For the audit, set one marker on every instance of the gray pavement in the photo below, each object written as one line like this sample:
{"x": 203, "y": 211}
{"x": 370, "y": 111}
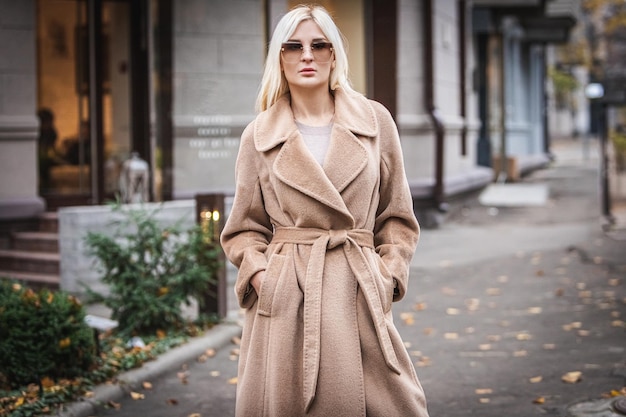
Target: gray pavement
{"x": 504, "y": 302}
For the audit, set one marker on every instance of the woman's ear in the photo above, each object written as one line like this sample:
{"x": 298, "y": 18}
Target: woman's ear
{"x": 332, "y": 66}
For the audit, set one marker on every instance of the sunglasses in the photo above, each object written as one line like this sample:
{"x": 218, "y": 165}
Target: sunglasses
{"x": 292, "y": 51}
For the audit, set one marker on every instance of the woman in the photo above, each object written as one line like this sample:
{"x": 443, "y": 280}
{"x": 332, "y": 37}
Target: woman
{"x": 322, "y": 231}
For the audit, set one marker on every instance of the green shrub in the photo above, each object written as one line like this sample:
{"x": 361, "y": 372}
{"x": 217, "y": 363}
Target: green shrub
{"x": 151, "y": 270}
{"x": 42, "y": 335}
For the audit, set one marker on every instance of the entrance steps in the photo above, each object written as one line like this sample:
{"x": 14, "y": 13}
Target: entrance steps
{"x": 33, "y": 256}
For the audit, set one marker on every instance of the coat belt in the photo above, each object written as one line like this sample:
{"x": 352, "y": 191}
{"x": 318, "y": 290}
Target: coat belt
{"x": 352, "y": 241}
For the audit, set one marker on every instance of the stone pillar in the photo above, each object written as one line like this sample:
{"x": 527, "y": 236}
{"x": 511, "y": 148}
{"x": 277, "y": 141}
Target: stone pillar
{"x": 18, "y": 106}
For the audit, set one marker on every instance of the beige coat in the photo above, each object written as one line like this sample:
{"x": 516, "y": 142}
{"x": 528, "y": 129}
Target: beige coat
{"x": 319, "y": 340}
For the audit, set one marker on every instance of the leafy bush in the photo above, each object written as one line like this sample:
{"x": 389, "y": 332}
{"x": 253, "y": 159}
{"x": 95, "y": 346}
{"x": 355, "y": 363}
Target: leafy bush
{"x": 42, "y": 335}
{"x": 151, "y": 270}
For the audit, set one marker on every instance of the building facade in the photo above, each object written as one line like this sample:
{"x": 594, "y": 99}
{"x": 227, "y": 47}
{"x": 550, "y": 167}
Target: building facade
{"x": 85, "y": 83}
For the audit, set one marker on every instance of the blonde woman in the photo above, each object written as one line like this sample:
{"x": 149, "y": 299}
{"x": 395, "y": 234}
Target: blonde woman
{"x": 322, "y": 232}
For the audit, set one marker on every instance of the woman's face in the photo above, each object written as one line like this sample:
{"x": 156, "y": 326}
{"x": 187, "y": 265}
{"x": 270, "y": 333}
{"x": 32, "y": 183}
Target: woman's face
{"x": 310, "y": 66}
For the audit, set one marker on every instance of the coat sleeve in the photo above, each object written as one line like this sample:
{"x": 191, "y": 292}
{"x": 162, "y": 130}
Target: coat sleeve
{"x": 248, "y": 228}
{"x": 396, "y": 230}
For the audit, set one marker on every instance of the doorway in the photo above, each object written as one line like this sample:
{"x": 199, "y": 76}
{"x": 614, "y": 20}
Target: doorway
{"x": 89, "y": 56}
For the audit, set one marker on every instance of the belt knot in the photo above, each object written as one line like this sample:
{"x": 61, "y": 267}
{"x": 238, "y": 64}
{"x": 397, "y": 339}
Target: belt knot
{"x": 337, "y": 238}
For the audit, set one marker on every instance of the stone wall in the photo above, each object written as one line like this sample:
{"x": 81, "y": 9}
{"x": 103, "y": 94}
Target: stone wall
{"x": 77, "y": 268}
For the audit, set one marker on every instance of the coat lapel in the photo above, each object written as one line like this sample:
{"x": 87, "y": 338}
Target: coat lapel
{"x": 346, "y": 158}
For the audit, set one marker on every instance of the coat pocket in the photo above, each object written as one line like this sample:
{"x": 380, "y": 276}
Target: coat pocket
{"x": 273, "y": 274}
{"x": 384, "y": 282}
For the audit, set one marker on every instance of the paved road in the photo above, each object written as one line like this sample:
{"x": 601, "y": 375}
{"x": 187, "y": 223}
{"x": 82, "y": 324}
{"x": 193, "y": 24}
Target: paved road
{"x": 503, "y": 303}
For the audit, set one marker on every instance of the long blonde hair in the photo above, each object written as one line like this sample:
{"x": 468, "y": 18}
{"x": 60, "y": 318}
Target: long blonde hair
{"x": 274, "y": 84}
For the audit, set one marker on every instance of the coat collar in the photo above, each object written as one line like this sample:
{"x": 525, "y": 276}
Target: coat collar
{"x": 355, "y": 118}
{"x": 353, "y": 112}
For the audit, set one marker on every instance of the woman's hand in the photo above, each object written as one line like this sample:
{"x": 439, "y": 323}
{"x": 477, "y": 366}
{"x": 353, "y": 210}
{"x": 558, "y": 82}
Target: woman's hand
{"x": 257, "y": 280}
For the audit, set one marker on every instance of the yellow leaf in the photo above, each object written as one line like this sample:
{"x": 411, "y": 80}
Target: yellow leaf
{"x": 483, "y": 391}
{"x": 453, "y": 311}
{"x": 19, "y": 401}
{"x": 46, "y": 382}
{"x": 147, "y": 385}
{"x": 523, "y": 336}
{"x": 539, "y": 400}
{"x": 534, "y": 310}
{"x": 210, "y": 352}
{"x": 236, "y": 340}
{"x": 63, "y": 343}
{"x": 420, "y": 306}
{"x": 572, "y": 377}
{"x": 214, "y": 373}
{"x": 136, "y": 395}
{"x": 161, "y": 334}
{"x": 451, "y": 336}
{"x": 233, "y": 381}
{"x": 484, "y": 400}
{"x": 536, "y": 379}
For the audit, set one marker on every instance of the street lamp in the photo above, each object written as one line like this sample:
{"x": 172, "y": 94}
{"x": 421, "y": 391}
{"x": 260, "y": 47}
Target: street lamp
{"x": 595, "y": 91}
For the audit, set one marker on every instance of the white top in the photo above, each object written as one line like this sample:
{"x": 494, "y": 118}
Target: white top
{"x": 317, "y": 139}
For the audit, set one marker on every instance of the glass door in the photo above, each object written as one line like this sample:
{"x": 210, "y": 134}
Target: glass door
{"x": 84, "y": 98}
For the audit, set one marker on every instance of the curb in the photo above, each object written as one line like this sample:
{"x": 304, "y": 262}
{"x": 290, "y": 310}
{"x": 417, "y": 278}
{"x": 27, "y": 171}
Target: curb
{"x": 215, "y": 338}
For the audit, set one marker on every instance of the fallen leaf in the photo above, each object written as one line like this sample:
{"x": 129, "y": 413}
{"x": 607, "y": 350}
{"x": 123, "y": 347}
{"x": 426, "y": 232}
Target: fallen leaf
{"x": 236, "y": 340}
{"x": 584, "y": 333}
{"x": 535, "y": 379}
{"x": 493, "y": 291}
{"x": 89, "y": 394}
{"x": 172, "y": 401}
{"x": 581, "y": 286}
{"x": 484, "y": 346}
{"x": 448, "y": 291}
{"x": 549, "y": 346}
{"x": 183, "y": 376}
{"x": 453, "y": 311}
{"x": 523, "y": 336}
{"x": 618, "y": 323}
{"x": 451, "y": 336}
{"x": 428, "y": 331}
{"x": 494, "y": 337}
{"x": 484, "y": 400}
{"x": 470, "y": 330}
{"x": 483, "y": 391}
{"x": 572, "y": 377}
{"x": 424, "y": 361}
{"x": 503, "y": 278}
{"x": 407, "y": 318}
{"x": 147, "y": 385}
{"x": 137, "y": 395}
{"x": 472, "y": 304}
{"x": 520, "y": 353}
{"x": 214, "y": 373}
{"x": 534, "y": 310}
{"x": 113, "y": 404}
{"x": 614, "y": 282}
{"x": 233, "y": 381}
{"x": 420, "y": 306}
{"x": 407, "y": 344}
{"x": 540, "y": 273}
{"x": 194, "y": 415}
{"x": 584, "y": 294}
{"x": 210, "y": 352}
{"x": 559, "y": 293}
{"x": 539, "y": 400}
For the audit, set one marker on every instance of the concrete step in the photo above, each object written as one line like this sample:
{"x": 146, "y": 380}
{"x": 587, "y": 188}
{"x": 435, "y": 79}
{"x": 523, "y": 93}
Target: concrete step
{"x": 26, "y": 261}
{"x": 49, "y": 222}
{"x": 32, "y": 279}
{"x": 36, "y": 241}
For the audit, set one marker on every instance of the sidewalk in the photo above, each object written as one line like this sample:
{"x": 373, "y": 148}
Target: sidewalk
{"x": 503, "y": 302}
